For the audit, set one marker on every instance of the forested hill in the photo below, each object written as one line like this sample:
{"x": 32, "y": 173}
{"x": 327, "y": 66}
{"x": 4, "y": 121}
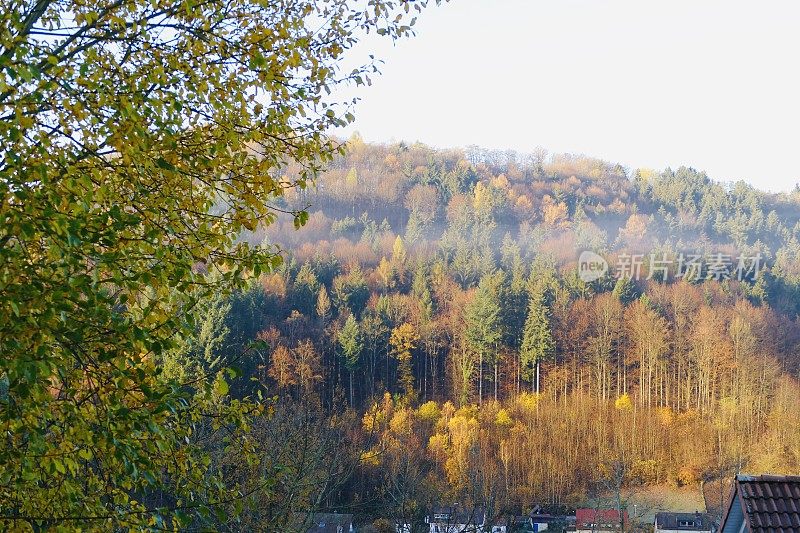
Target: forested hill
{"x": 451, "y": 204}
{"x": 436, "y": 293}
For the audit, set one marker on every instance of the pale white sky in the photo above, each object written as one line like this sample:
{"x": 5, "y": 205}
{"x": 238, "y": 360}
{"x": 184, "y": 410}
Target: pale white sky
{"x": 709, "y": 84}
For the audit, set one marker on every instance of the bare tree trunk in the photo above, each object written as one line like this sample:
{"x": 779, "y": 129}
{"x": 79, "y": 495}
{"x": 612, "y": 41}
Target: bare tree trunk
{"x": 495, "y": 380}
{"x": 480, "y": 379}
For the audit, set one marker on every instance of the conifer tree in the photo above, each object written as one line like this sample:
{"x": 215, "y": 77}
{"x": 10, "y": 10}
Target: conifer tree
{"x": 305, "y": 288}
{"x": 484, "y": 327}
{"x": 537, "y": 339}
{"x": 352, "y": 345}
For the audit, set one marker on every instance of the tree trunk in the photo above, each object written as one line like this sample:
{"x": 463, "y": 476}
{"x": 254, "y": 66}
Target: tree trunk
{"x": 495, "y": 380}
{"x": 480, "y": 379}
{"x": 425, "y": 376}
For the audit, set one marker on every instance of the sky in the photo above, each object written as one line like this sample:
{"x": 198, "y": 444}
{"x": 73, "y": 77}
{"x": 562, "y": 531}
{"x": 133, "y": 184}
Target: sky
{"x": 710, "y": 84}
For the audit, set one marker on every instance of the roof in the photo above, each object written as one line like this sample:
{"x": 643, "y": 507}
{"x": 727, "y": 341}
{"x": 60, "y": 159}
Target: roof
{"x": 458, "y": 514}
{"x": 330, "y": 523}
{"x": 700, "y": 521}
{"x": 541, "y": 518}
{"x": 598, "y": 516}
{"x": 771, "y": 504}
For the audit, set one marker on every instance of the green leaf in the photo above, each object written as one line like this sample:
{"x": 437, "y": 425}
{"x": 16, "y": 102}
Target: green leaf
{"x": 300, "y": 219}
{"x": 164, "y": 164}
{"x": 220, "y": 386}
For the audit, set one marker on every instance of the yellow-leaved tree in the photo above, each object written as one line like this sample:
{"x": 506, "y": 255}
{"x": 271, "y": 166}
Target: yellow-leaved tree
{"x": 403, "y": 340}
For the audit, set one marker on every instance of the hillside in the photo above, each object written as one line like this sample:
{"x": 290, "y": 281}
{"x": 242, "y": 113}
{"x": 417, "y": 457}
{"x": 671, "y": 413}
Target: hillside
{"x": 435, "y": 296}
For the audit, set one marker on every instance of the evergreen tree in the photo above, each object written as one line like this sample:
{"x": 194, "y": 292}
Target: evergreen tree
{"x": 374, "y": 332}
{"x": 537, "y": 339}
{"x": 421, "y": 291}
{"x": 625, "y": 290}
{"x": 200, "y": 352}
{"x": 484, "y": 327}
{"x": 350, "y": 291}
{"x": 305, "y": 289}
{"x": 352, "y": 345}
{"x": 464, "y": 264}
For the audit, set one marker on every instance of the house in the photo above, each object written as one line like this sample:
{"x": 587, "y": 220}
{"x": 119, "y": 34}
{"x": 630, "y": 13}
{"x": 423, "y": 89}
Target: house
{"x": 459, "y": 519}
{"x": 533, "y": 523}
{"x": 330, "y": 523}
{"x": 677, "y": 522}
{"x": 599, "y": 520}
{"x": 763, "y": 504}
{"x": 495, "y": 527}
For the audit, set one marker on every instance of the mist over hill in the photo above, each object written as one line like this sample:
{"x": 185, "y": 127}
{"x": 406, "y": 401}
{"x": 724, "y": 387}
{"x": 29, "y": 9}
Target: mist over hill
{"x": 453, "y": 204}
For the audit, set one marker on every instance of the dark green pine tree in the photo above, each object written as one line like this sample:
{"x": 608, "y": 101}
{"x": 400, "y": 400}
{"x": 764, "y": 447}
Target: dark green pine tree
{"x": 537, "y": 339}
{"x": 626, "y": 290}
{"x": 484, "y": 323}
{"x": 305, "y": 290}
{"x": 351, "y": 344}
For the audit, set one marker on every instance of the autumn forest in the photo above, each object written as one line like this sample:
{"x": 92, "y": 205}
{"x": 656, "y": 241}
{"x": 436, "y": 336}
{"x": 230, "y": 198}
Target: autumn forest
{"x": 430, "y": 314}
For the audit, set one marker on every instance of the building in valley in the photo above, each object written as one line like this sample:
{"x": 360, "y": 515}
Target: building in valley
{"x": 600, "y": 521}
{"x": 683, "y": 522}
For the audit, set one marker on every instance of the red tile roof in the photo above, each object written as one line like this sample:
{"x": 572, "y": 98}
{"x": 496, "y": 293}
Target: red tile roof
{"x": 585, "y": 517}
{"x": 771, "y": 504}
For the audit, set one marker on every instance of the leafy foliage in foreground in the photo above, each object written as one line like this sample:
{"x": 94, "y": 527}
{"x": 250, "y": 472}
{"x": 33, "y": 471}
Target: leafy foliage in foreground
{"x": 139, "y": 138}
